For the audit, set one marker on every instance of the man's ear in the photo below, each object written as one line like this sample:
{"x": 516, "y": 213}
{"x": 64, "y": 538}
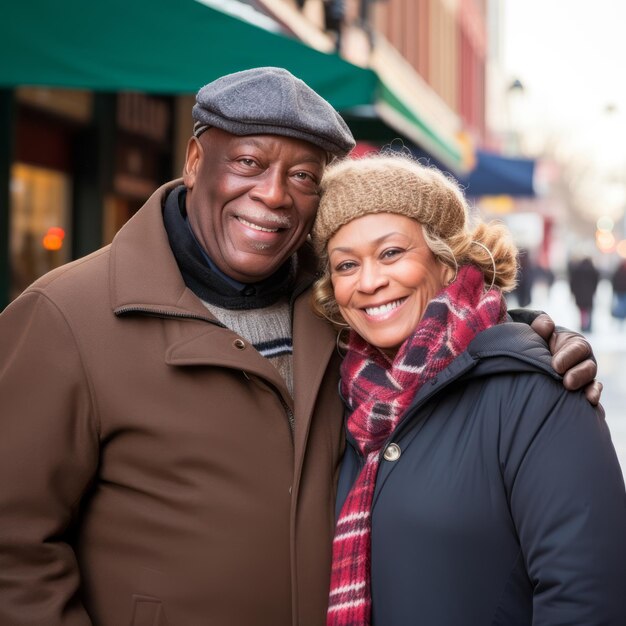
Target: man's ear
{"x": 192, "y": 161}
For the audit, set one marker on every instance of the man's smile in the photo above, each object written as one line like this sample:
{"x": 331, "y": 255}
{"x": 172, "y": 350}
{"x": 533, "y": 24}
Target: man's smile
{"x": 256, "y": 226}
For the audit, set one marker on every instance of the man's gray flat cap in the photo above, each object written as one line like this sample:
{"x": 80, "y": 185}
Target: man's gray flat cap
{"x": 271, "y": 101}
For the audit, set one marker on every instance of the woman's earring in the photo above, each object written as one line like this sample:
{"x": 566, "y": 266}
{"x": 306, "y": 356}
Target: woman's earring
{"x": 493, "y": 262}
{"x": 340, "y": 343}
{"x": 456, "y": 271}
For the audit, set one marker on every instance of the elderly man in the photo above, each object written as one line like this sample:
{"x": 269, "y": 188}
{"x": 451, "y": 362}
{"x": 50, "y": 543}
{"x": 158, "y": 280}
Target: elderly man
{"x": 166, "y": 457}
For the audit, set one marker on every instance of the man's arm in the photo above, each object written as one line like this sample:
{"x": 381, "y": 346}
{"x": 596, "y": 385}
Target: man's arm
{"x": 572, "y": 355}
{"x": 48, "y": 456}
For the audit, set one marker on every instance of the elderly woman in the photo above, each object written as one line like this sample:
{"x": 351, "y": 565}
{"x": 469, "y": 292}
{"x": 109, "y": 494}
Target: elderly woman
{"x": 474, "y": 489}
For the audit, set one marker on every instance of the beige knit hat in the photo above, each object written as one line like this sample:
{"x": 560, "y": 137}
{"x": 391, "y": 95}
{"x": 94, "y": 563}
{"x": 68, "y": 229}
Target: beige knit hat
{"x": 389, "y": 183}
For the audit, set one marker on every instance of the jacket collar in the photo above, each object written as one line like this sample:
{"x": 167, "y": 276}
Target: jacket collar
{"x": 507, "y": 348}
{"x": 144, "y": 274}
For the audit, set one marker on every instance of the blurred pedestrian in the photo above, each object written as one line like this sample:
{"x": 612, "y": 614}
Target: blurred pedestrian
{"x": 618, "y": 282}
{"x": 525, "y": 278}
{"x": 583, "y": 281}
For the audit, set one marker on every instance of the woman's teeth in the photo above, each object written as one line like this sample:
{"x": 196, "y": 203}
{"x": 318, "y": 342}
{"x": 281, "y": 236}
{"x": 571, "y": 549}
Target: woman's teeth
{"x": 383, "y": 308}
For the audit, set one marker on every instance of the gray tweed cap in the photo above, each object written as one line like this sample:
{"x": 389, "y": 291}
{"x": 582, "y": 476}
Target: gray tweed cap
{"x": 271, "y": 101}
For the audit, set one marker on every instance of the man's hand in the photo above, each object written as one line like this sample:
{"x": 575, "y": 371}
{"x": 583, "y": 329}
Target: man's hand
{"x": 572, "y": 357}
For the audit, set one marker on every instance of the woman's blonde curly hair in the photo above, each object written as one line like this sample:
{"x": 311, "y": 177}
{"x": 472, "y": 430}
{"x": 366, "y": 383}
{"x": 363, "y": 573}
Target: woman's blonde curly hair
{"x": 397, "y": 183}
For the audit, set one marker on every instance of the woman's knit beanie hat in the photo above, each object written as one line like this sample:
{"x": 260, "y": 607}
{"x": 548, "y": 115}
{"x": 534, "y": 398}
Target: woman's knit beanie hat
{"x": 390, "y": 183}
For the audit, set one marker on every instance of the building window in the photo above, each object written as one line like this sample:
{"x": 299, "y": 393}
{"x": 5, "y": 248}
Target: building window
{"x": 40, "y": 223}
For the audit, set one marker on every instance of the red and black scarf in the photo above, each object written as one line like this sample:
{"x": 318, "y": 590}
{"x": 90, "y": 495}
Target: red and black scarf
{"x": 379, "y": 391}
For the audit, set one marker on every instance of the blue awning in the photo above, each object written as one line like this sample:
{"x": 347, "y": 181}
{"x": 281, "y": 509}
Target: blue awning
{"x": 495, "y": 175}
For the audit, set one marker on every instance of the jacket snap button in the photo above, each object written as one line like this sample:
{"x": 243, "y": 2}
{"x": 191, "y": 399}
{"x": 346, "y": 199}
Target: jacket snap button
{"x": 240, "y": 344}
{"x": 392, "y": 452}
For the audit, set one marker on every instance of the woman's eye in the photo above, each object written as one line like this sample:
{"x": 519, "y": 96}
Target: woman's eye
{"x": 391, "y": 253}
{"x": 345, "y": 266}
{"x": 248, "y": 162}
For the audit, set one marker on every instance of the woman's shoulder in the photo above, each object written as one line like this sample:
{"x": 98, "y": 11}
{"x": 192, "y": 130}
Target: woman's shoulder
{"x": 510, "y": 348}
{"x": 526, "y": 396}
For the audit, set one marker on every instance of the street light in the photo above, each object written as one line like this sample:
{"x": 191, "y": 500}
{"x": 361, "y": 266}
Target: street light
{"x": 515, "y": 96}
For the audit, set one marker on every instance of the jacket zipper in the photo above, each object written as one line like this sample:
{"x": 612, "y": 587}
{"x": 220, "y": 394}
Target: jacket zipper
{"x": 290, "y": 416}
{"x": 164, "y": 314}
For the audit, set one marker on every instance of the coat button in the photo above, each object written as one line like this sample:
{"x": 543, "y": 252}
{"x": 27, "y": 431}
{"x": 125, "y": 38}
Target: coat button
{"x": 392, "y": 452}
{"x": 240, "y": 344}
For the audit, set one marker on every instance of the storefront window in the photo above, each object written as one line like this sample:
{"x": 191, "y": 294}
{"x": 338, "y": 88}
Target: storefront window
{"x": 40, "y": 223}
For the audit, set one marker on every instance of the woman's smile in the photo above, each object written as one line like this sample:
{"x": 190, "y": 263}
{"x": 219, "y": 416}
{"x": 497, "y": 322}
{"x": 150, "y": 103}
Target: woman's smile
{"x": 384, "y": 311}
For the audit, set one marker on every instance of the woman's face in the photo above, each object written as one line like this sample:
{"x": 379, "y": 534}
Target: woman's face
{"x": 383, "y": 275}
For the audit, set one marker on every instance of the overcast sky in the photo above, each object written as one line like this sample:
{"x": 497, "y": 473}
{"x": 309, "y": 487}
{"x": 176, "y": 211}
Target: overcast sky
{"x": 571, "y": 57}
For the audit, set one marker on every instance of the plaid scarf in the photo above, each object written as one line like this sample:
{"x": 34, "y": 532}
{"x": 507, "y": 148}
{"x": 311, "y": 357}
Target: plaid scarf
{"x": 379, "y": 391}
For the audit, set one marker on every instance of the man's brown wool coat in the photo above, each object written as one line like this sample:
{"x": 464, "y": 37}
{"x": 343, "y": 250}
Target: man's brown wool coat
{"x": 148, "y": 472}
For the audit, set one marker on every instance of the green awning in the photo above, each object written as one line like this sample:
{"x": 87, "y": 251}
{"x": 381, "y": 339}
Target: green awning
{"x": 158, "y": 46}
{"x": 176, "y": 46}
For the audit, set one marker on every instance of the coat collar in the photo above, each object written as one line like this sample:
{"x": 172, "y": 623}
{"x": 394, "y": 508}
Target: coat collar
{"x": 144, "y": 273}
